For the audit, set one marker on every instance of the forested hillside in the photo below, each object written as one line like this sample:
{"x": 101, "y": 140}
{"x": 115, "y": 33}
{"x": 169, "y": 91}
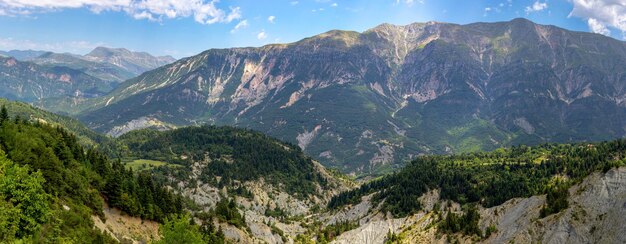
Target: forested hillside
{"x": 491, "y": 178}
{"x": 229, "y": 153}
{"x": 51, "y": 186}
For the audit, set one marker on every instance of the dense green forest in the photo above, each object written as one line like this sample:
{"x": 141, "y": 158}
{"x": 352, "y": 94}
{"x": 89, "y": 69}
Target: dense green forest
{"x": 256, "y": 156}
{"x": 51, "y": 185}
{"x": 491, "y": 178}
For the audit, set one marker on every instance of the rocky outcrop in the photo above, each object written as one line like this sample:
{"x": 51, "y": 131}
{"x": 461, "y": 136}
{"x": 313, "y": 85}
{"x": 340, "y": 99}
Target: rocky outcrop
{"x": 373, "y": 230}
{"x": 261, "y": 228}
{"x": 137, "y": 124}
{"x": 596, "y": 211}
{"x": 595, "y": 214}
{"x": 124, "y": 228}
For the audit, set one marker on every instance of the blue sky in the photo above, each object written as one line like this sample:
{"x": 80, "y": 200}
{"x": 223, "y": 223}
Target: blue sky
{"x": 186, "y": 27}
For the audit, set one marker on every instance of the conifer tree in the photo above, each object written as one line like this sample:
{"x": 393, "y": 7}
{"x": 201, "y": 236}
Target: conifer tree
{"x": 4, "y": 114}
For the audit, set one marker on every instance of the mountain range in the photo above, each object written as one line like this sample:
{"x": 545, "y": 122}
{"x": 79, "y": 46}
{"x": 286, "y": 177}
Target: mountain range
{"x": 22, "y": 55}
{"x": 366, "y": 102}
{"x": 37, "y": 75}
{"x": 29, "y": 82}
{"x": 110, "y": 64}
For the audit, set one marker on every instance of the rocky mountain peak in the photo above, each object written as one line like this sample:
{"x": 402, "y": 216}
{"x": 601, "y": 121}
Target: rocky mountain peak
{"x": 521, "y": 21}
{"x": 331, "y": 39}
{"x": 394, "y": 42}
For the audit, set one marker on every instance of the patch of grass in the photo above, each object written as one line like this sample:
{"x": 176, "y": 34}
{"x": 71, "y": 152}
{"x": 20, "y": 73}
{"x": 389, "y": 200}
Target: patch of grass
{"x": 371, "y": 107}
{"x": 540, "y": 159}
{"x": 144, "y": 164}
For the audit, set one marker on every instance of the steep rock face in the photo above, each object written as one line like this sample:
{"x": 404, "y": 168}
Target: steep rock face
{"x": 384, "y": 95}
{"x": 596, "y": 215}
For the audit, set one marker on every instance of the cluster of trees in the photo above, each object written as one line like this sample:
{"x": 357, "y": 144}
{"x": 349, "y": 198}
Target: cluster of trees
{"x": 24, "y": 205}
{"x": 182, "y": 229}
{"x": 234, "y": 154}
{"x": 317, "y": 232}
{"x": 392, "y": 238}
{"x": 330, "y": 232}
{"x": 467, "y": 223}
{"x": 137, "y": 194}
{"x": 491, "y": 178}
{"x": 277, "y": 212}
{"x": 45, "y": 171}
{"x": 556, "y": 199}
{"x": 226, "y": 211}
{"x": 241, "y": 191}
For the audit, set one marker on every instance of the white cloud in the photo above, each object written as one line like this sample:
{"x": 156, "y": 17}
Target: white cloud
{"x": 536, "y": 7}
{"x": 202, "y": 11}
{"x": 409, "y": 2}
{"x": 77, "y": 47}
{"x": 271, "y": 19}
{"x": 495, "y": 9}
{"x": 601, "y": 14}
{"x": 261, "y": 35}
{"x": 242, "y": 24}
{"x": 334, "y": 5}
{"x": 596, "y": 27}
{"x": 293, "y": 3}
{"x": 144, "y": 15}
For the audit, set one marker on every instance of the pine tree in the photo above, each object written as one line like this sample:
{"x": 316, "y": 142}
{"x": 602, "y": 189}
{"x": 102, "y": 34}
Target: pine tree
{"x": 4, "y": 114}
